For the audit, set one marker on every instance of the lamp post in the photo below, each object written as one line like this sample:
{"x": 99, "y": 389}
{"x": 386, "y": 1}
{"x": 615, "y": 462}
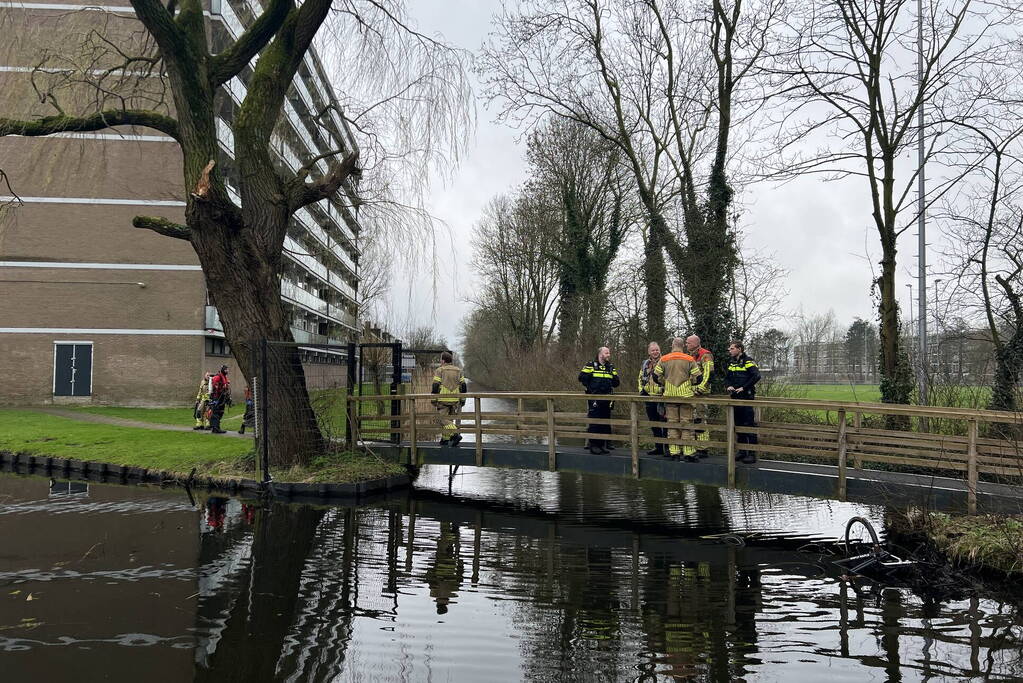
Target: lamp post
{"x": 921, "y": 224}
{"x": 937, "y": 329}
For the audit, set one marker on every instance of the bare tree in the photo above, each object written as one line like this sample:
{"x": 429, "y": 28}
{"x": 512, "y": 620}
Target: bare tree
{"x": 813, "y": 332}
{"x": 580, "y": 176}
{"x": 407, "y": 110}
{"x": 513, "y": 242}
{"x": 664, "y": 83}
{"x": 849, "y": 70}
{"x": 985, "y": 221}
{"x": 757, "y": 292}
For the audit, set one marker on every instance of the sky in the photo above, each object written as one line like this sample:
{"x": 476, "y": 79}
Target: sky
{"x": 820, "y": 231}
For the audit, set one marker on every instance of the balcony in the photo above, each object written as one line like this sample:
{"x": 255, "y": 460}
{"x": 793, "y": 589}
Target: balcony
{"x": 294, "y": 293}
{"x": 304, "y": 337}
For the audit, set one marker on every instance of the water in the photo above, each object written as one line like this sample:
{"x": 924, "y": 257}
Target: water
{"x": 485, "y": 576}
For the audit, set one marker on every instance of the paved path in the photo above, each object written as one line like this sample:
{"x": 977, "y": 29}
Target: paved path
{"x": 123, "y": 422}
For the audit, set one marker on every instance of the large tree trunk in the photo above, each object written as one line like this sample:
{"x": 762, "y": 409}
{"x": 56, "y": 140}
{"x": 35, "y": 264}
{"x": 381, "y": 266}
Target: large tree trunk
{"x": 245, "y": 285}
{"x": 655, "y": 280}
{"x": 896, "y": 379}
{"x": 1008, "y": 364}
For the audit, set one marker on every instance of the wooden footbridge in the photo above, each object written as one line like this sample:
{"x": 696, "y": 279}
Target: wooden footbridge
{"x": 946, "y": 458}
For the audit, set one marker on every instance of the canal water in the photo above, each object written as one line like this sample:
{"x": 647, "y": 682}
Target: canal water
{"x": 486, "y": 575}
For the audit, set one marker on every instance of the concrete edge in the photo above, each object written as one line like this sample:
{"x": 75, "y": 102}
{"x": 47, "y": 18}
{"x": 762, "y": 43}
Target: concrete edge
{"x": 69, "y": 468}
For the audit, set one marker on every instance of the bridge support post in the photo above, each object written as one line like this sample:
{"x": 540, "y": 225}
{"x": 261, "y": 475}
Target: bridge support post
{"x": 971, "y": 468}
{"x": 634, "y": 437}
{"x": 552, "y": 447}
{"x": 842, "y": 454}
{"x": 730, "y": 440}
{"x": 478, "y": 434}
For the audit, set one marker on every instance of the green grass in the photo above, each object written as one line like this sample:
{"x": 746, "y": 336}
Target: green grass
{"x": 40, "y": 434}
{"x": 181, "y": 416}
{"x": 25, "y": 431}
{"x": 983, "y": 541}
{"x": 862, "y": 393}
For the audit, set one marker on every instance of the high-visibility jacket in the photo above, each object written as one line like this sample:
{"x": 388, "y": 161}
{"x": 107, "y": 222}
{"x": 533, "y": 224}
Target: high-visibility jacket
{"x": 743, "y": 372}
{"x": 448, "y": 379}
{"x": 705, "y": 361}
{"x": 599, "y": 378}
{"x": 646, "y": 382}
{"x": 204, "y": 391}
{"x": 676, "y": 371}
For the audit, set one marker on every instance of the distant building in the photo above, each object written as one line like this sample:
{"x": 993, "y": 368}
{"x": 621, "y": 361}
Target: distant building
{"x": 95, "y": 311}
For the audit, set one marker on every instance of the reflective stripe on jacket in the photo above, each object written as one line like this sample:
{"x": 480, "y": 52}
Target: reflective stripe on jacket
{"x": 448, "y": 379}
{"x": 743, "y": 372}
{"x": 705, "y": 362}
{"x": 647, "y": 383}
{"x": 599, "y": 378}
{"x": 676, "y": 371}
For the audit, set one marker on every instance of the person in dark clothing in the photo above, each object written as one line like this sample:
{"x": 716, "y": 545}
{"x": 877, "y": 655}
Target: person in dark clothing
{"x": 600, "y": 378}
{"x": 220, "y": 398}
{"x": 741, "y": 379}
{"x": 249, "y": 418}
{"x": 648, "y": 386}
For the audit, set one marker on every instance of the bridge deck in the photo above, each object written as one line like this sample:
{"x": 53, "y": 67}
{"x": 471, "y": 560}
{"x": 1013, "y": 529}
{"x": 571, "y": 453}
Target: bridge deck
{"x": 772, "y": 476}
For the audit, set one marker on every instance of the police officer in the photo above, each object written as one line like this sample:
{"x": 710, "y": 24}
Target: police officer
{"x": 600, "y": 378}
{"x": 648, "y": 386}
{"x": 741, "y": 378}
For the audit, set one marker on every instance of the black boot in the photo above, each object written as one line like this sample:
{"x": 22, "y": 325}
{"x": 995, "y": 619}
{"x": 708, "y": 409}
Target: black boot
{"x": 443, "y": 442}
{"x": 658, "y": 450}
{"x": 242, "y": 429}
{"x": 702, "y": 453}
{"x": 455, "y": 439}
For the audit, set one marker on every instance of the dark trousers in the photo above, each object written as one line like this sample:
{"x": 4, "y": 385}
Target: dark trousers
{"x": 217, "y": 408}
{"x": 600, "y": 410}
{"x": 744, "y": 417}
{"x": 654, "y": 414}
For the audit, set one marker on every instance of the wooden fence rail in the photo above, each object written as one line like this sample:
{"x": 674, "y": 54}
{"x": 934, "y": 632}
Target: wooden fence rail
{"x": 837, "y": 436}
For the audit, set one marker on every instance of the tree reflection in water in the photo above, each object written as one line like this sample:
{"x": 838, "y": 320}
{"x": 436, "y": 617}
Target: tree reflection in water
{"x": 429, "y": 585}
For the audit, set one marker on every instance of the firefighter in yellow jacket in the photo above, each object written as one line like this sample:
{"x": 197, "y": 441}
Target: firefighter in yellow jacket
{"x": 676, "y": 372}
{"x": 448, "y": 379}
{"x": 701, "y": 387}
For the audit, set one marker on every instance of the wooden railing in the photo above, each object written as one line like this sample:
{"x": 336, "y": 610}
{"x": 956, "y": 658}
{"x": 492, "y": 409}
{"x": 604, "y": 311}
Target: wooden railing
{"x": 841, "y": 432}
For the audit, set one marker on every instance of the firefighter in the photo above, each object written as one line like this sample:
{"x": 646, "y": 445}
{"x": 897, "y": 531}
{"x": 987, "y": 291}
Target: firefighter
{"x": 220, "y": 398}
{"x": 649, "y": 387}
{"x": 202, "y": 403}
{"x": 676, "y": 372}
{"x": 705, "y": 361}
{"x": 448, "y": 379}
{"x": 600, "y": 378}
{"x": 742, "y": 378}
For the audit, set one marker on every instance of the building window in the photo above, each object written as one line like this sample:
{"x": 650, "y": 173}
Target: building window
{"x": 215, "y": 346}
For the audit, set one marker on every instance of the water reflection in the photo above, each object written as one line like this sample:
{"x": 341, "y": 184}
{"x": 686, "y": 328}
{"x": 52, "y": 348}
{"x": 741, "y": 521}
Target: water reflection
{"x": 520, "y": 575}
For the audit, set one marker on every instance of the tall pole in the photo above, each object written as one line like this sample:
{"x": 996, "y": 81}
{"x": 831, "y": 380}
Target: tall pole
{"x": 921, "y": 223}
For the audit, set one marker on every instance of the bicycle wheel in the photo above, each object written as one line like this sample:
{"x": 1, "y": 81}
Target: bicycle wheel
{"x": 860, "y": 538}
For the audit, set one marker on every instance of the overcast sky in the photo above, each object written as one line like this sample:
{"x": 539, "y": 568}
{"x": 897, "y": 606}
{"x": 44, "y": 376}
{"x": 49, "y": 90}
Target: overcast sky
{"x": 820, "y": 231}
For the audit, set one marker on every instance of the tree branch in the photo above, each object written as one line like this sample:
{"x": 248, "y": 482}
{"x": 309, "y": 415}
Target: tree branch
{"x": 231, "y": 61}
{"x": 163, "y": 227}
{"x": 98, "y": 121}
{"x": 304, "y": 194}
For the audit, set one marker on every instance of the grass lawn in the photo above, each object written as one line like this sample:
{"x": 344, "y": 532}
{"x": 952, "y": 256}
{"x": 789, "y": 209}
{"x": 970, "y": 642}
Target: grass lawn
{"x": 24, "y": 431}
{"x": 861, "y": 393}
{"x": 181, "y": 416}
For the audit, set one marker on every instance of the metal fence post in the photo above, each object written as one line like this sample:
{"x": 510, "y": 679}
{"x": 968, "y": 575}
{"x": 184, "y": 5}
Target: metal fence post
{"x": 264, "y": 434}
{"x": 351, "y": 390}
{"x": 396, "y": 361}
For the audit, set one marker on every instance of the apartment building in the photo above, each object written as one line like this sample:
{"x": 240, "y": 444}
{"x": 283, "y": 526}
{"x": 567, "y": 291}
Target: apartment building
{"x": 93, "y": 310}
